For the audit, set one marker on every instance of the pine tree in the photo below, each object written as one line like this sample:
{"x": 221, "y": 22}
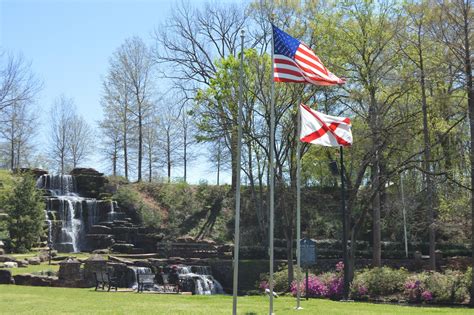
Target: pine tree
{"x": 26, "y": 214}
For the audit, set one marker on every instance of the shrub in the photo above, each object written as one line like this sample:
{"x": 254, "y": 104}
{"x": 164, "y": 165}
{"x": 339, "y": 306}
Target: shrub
{"x": 380, "y": 281}
{"x": 329, "y": 285}
{"x": 25, "y": 208}
{"x": 136, "y": 207}
{"x": 449, "y": 287}
{"x": 280, "y": 281}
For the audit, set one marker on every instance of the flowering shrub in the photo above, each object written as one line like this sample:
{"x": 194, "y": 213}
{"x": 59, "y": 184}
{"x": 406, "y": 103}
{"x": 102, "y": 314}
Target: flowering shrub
{"x": 328, "y": 285}
{"x": 414, "y": 287}
{"x": 426, "y": 296}
{"x": 263, "y": 285}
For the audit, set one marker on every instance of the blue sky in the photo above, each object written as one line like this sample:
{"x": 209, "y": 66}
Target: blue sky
{"x": 69, "y": 43}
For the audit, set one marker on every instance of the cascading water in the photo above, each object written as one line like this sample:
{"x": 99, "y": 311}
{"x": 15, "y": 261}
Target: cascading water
{"x": 66, "y": 212}
{"x": 203, "y": 282}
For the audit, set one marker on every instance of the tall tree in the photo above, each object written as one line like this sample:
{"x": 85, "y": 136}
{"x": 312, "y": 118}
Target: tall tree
{"x": 18, "y": 132}
{"x": 61, "y": 116}
{"x": 80, "y": 140}
{"x": 130, "y": 85}
{"x": 170, "y": 131}
{"x": 454, "y": 28}
{"x": 17, "y": 82}
{"x": 116, "y": 103}
{"x": 189, "y": 43}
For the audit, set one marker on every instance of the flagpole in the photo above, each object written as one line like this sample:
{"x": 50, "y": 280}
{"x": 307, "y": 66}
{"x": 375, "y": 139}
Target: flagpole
{"x": 237, "y": 185}
{"x": 344, "y": 229}
{"x": 272, "y": 174}
{"x": 298, "y": 210}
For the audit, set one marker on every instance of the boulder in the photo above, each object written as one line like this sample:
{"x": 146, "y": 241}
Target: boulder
{"x": 6, "y": 277}
{"x": 70, "y": 274}
{"x": 100, "y": 229}
{"x": 23, "y": 263}
{"x": 4, "y": 258}
{"x": 34, "y": 261}
{"x": 29, "y": 279}
{"x": 95, "y": 263}
{"x": 100, "y": 240}
{"x": 2, "y": 251}
{"x": 10, "y": 264}
{"x": 2, "y": 244}
{"x": 123, "y": 248}
{"x": 103, "y": 251}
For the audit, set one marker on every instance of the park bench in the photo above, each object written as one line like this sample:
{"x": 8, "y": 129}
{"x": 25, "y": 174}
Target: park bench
{"x": 170, "y": 287}
{"x": 105, "y": 279}
{"x": 143, "y": 280}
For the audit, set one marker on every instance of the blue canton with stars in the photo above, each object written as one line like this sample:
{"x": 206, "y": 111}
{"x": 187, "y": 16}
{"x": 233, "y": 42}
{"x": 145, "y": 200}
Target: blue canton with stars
{"x": 284, "y": 43}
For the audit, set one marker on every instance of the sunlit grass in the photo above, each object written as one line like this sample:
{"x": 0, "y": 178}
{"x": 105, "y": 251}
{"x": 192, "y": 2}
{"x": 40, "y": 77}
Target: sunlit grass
{"x": 46, "y": 300}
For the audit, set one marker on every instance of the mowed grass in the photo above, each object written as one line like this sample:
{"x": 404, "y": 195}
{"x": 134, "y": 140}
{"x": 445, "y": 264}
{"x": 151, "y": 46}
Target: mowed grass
{"x": 45, "y": 300}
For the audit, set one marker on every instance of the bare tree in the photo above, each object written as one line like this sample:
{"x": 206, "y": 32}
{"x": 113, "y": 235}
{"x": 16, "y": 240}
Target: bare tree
{"x": 116, "y": 103}
{"x": 17, "y": 82}
{"x": 190, "y": 42}
{"x": 61, "y": 116}
{"x": 133, "y": 64}
{"x": 18, "y": 131}
{"x": 111, "y": 144}
{"x": 79, "y": 140}
{"x": 170, "y": 131}
{"x": 151, "y": 143}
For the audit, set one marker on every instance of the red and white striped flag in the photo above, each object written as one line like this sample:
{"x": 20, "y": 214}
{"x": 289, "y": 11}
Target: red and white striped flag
{"x": 293, "y": 61}
{"x": 329, "y": 131}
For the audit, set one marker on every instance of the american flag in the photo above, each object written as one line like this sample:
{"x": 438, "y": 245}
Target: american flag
{"x": 293, "y": 61}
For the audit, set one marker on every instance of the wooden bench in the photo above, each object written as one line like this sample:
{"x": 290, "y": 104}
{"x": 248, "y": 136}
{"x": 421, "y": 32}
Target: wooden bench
{"x": 105, "y": 279}
{"x": 145, "y": 279}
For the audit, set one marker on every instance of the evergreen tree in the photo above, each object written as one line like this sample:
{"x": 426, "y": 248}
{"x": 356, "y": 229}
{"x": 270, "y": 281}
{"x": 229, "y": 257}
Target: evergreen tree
{"x": 25, "y": 208}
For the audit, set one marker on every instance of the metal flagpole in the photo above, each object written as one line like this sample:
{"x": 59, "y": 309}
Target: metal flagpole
{"x": 272, "y": 174}
{"x": 237, "y": 185}
{"x": 404, "y": 215}
{"x": 298, "y": 210}
{"x": 344, "y": 229}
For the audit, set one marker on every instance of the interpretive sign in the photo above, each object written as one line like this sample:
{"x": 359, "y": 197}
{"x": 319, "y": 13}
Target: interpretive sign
{"x": 308, "y": 252}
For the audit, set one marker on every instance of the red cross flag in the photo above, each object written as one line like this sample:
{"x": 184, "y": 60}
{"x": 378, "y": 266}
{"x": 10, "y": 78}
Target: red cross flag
{"x": 329, "y": 131}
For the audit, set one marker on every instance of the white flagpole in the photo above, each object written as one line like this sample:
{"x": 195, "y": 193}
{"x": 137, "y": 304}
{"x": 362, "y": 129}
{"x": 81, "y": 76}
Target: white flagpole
{"x": 272, "y": 174}
{"x": 237, "y": 185}
{"x": 298, "y": 210}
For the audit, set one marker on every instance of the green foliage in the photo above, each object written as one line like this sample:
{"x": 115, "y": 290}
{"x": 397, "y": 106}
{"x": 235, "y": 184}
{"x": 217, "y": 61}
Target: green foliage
{"x": 448, "y": 287}
{"x": 381, "y": 281}
{"x": 25, "y": 208}
{"x": 133, "y": 203}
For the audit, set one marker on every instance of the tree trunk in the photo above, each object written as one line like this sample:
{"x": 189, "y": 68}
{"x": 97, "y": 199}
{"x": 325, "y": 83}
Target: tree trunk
{"x": 168, "y": 155}
{"x": 470, "y": 103}
{"x": 376, "y": 232}
{"x": 427, "y": 163}
{"x": 185, "y": 155}
{"x": 125, "y": 148}
{"x": 218, "y": 165}
{"x": 140, "y": 142}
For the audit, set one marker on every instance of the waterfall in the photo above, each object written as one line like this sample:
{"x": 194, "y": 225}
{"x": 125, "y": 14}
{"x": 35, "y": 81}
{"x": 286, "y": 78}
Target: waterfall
{"x": 204, "y": 282}
{"x": 64, "y": 207}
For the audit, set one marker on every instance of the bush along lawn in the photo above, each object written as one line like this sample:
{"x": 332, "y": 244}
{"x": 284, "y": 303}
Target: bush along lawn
{"x": 383, "y": 284}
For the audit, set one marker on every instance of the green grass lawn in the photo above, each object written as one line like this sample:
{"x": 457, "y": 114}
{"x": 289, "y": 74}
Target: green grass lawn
{"x": 46, "y": 300}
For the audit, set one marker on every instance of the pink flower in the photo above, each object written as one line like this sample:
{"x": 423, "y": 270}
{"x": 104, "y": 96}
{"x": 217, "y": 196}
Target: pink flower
{"x": 427, "y": 296}
{"x": 340, "y": 266}
{"x": 263, "y": 285}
